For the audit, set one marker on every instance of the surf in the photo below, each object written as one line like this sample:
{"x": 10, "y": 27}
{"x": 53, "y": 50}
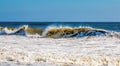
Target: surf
{"x": 58, "y": 32}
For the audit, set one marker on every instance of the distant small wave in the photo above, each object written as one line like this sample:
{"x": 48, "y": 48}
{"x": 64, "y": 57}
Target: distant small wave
{"x": 58, "y": 32}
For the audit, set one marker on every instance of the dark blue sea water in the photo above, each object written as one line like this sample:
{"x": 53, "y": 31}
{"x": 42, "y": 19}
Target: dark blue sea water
{"x": 113, "y": 26}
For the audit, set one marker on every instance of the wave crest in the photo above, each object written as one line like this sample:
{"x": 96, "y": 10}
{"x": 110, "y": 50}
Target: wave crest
{"x": 58, "y": 32}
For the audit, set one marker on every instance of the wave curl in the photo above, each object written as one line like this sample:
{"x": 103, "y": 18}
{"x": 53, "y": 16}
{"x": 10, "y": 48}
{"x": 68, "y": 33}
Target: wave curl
{"x": 58, "y": 32}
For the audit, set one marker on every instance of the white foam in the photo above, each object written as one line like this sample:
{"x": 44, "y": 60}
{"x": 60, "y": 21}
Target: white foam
{"x": 87, "y": 51}
{"x": 9, "y": 32}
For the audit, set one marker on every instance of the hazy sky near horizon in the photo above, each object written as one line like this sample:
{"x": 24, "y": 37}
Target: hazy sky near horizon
{"x": 60, "y": 10}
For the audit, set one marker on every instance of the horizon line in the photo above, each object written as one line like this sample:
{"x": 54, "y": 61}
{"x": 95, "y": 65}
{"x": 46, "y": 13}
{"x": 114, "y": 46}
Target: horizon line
{"x": 59, "y": 21}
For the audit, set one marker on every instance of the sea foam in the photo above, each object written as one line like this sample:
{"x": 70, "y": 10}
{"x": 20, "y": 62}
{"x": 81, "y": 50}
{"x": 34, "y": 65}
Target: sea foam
{"x": 85, "y": 51}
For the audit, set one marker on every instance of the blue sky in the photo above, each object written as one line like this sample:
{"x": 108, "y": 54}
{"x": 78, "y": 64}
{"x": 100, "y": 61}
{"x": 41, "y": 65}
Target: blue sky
{"x": 60, "y": 10}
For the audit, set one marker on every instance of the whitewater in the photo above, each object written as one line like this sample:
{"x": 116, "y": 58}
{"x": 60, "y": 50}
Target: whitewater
{"x": 59, "y": 46}
{"x": 95, "y": 51}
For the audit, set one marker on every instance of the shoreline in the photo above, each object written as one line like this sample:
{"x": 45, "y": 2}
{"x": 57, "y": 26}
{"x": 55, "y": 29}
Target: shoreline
{"x": 92, "y": 51}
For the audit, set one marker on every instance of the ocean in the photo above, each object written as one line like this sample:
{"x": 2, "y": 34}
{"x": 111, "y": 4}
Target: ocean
{"x": 113, "y": 26}
{"x": 59, "y": 44}
{"x": 61, "y": 29}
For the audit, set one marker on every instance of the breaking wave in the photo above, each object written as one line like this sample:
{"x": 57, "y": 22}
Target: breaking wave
{"x": 58, "y": 32}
